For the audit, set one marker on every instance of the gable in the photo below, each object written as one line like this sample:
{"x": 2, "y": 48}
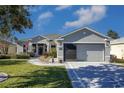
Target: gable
{"x": 84, "y": 35}
{"x": 37, "y": 39}
{"x": 43, "y": 41}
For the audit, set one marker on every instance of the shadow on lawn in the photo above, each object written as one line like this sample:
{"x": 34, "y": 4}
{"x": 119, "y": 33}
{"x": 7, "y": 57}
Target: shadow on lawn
{"x": 51, "y": 77}
{"x": 104, "y": 76}
{"x": 10, "y": 62}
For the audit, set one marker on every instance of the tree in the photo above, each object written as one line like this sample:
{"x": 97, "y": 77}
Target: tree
{"x": 112, "y": 34}
{"x": 14, "y": 18}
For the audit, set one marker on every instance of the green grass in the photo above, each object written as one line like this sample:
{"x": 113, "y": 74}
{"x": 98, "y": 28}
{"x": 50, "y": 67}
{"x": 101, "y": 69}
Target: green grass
{"x": 23, "y": 75}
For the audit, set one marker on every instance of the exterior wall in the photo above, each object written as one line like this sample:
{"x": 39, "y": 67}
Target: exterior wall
{"x": 107, "y": 53}
{"x": 117, "y": 50}
{"x": 60, "y": 50}
{"x": 19, "y": 49}
{"x": 12, "y": 49}
{"x": 83, "y": 36}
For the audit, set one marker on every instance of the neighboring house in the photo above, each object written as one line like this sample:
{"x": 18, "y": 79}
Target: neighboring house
{"x": 83, "y": 45}
{"x": 117, "y": 48}
{"x": 40, "y": 44}
{"x": 19, "y": 46}
{"x": 7, "y": 47}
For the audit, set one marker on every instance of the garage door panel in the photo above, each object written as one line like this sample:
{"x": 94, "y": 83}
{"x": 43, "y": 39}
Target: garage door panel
{"x": 90, "y": 52}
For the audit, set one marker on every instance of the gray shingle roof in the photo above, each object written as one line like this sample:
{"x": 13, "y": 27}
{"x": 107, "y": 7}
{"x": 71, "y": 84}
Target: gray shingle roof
{"x": 117, "y": 41}
{"x": 52, "y": 36}
{"x": 37, "y": 38}
{"x": 8, "y": 42}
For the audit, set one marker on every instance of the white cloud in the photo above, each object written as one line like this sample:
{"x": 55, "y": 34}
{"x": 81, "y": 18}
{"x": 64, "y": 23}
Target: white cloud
{"x": 87, "y": 16}
{"x": 42, "y": 20}
{"x": 45, "y": 15}
{"x": 62, "y": 7}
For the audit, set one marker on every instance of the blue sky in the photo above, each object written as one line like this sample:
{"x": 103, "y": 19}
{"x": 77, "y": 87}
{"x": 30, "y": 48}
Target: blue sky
{"x": 64, "y": 19}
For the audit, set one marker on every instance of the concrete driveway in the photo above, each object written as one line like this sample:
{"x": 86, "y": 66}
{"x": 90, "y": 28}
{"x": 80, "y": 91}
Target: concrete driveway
{"x": 95, "y": 74}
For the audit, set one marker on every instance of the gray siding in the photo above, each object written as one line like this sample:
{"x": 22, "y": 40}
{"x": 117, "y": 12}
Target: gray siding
{"x": 107, "y": 53}
{"x": 83, "y": 36}
{"x": 95, "y": 51}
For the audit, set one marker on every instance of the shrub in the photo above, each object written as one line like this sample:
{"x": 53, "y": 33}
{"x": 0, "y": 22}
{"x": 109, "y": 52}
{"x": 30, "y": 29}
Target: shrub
{"x": 5, "y": 56}
{"x": 22, "y": 56}
{"x": 113, "y": 58}
{"x": 119, "y": 60}
{"x": 53, "y": 53}
{"x": 31, "y": 54}
{"x": 46, "y": 55}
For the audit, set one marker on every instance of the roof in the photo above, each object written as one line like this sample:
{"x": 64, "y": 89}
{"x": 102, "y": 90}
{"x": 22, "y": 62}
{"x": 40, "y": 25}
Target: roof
{"x": 8, "y": 42}
{"x": 117, "y": 41}
{"x": 53, "y": 36}
{"x": 37, "y": 38}
{"x": 82, "y": 30}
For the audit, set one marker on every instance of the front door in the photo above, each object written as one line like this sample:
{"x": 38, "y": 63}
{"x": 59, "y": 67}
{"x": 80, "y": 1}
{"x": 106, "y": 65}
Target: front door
{"x": 40, "y": 50}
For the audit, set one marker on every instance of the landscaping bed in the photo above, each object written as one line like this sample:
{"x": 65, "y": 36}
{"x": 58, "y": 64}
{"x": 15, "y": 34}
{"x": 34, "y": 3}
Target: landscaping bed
{"x": 17, "y": 56}
{"x": 23, "y": 75}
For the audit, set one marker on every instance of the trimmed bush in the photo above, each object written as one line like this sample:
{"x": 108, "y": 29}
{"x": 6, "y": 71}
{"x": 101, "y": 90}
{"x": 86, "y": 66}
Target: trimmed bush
{"x": 22, "y": 56}
{"x": 31, "y": 54}
{"x": 53, "y": 53}
{"x": 113, "y": 58}
{"x": 119, "y": 60}
{"x": 5, "y": 56}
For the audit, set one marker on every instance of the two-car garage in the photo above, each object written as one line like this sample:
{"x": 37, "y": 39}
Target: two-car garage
{"x": 84, "y": 52}
{"x": 84, "y": 45}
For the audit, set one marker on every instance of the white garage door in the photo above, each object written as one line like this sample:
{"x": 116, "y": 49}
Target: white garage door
{"x": 90, "y": 52}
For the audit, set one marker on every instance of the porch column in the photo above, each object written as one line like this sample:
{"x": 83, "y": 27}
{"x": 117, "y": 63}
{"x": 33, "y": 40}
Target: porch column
{"x": 37, "y": 49}
{"x": 47, "y": 45}
{"x": 43, "y": 49}
{"x": 30, "y": 47}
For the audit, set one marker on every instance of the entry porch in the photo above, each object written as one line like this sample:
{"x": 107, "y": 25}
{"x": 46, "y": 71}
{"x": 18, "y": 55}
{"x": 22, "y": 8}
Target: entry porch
{"x": 39, "y": 48}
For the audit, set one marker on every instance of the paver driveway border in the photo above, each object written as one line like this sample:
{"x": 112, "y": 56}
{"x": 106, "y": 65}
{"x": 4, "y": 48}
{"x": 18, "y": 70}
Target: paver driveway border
{"x": 75, "y": 79}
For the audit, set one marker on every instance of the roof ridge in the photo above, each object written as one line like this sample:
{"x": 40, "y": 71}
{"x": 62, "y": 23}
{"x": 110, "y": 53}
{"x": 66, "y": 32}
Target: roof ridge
{"x": 90, "y": 29}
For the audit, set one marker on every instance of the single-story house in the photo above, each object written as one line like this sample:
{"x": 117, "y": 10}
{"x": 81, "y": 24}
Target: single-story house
{"x": 117, "y": 48}
{"x": 84, "y": 44}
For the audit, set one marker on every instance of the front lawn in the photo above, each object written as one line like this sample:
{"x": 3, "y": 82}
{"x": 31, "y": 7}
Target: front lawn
{"x": 23, "y": 74}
